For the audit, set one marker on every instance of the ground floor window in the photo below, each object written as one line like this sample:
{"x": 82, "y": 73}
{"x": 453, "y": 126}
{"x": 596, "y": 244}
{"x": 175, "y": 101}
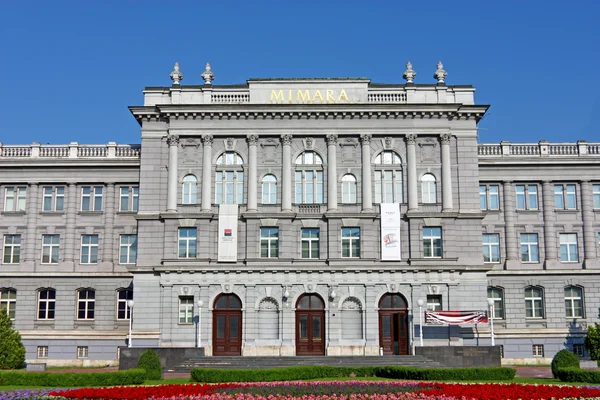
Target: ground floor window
{"x": 82, "y": 352}
{"x": 538, "y": 350}
{"x": 42, "y": 352}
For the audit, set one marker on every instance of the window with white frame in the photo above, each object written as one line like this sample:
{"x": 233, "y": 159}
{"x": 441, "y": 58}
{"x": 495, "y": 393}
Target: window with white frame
{"x": 128, "y": 249}
{"x": 42, "y": 352}
{"x": 8, "y": 301}
{"x": 309, "y": 178}
{"x": 579, "y": 350}
{"x": 350, "y": 242}
{"x": 53, "y": 198}
{"x": 189, "y": 190}
{"x": 565, "y": 197}
{"x": 428, "y": 189}
{"x": 123, "y": 296}
{"x": 229, "y": 181}
{"x": 434, "y": 302}
{"x": 568, "y": 247}
{"x": 432, "y": 242}
{"x": 489, "y": 197}
{"x": 573, "y": 302}
{"x": 596, "y": 195}
{"x": 15, "y": 198}
{"x": 187, "y": 243}
{"x": 89, "y": 249}
{"x": 529, "y": 248}
{"x": 82, "y": 352}
{"x": 46, "y": 303}
{"x": 491, "y": 248}
{"x": 388, "y": 177}
{"x": 349, "y": 189}
{"x": 50, "y": 249}
{"x": 86, "y": 304}
{"x": 534, "y": 302}
{"x": 186, "y": 309}
{"x": 12, "y": 249}
{"x": 538, "y": 350}
{"x": 91, "y": 198}
{"x": 269, "y": 189}
{"x": 269, "y": 242}
{"x": 497, "y": 296}
{"x": 129, "y": 198}
{"x": 527, "y": 197}
{"x": 310, "y": 243}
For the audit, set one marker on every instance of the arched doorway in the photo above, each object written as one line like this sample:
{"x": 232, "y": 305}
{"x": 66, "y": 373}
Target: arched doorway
{"x": 393, "y": 324}
{"x": 310, "y": 325}
{"x": 227, "y": 326}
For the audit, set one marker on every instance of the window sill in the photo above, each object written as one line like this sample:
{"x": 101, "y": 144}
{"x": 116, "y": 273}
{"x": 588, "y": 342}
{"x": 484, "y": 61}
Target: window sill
{"x": 533, "y": 210}
{"x": 90, "y": 212}
{"x": 567, "y": 211}
{"x": 13, "y": 213}
{"x": 52, "y": 212}
{"x": 492, "y": 262}
{"x": 569, "y": 262}
{"x": 185, "y": 323}
{"x": 127, "y": 212}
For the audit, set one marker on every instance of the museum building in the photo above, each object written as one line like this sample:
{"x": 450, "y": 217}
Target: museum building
{"x": 300, "y": 217}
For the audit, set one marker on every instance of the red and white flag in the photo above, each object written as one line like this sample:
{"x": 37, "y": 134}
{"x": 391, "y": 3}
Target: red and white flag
{"x": 455, "y": 317}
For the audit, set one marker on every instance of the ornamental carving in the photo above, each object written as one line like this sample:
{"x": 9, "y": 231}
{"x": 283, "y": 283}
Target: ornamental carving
{"x": 445, "y": 138}
{"x": 365, "y": 139}
{"x": 268, "y": 303}
{"x": 352, "y": 303}
{"x": 388, "y": 142}
{"x": 230, "y": 144}
{"x": 207, "y": 140}
{"x": 440, "y": 73}
{"x": 176, "y": 75}
{"x": 428, "y": 149}
{"x": 411, "y": 138}
{"x": 286, "y": 139}
{"x": 332, "y": 140}
{"x": 252, "y": 140}
{"x": 309, "y": 143}
{"x": 172, "y": 140}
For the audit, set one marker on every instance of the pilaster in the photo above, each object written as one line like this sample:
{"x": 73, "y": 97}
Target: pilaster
{"x": 446, "y": 173}
{"x": 206, "y": 172}
{"x": 173, "y": 142}
{"x": 509, "y": 222}
{"x": 591, "y": 261}
{"x": 331, "y": 173}
{"x": 549, "y": 230}
{"x": 411, "y": 155}
{"x": 252, "y": 173}
{"x": 367, "y": 197}
{"x": 109, "y": 221}
{"x": 32, "y": 217}
{"x": 71, "y": 210}
{"x": 286, "y": 166}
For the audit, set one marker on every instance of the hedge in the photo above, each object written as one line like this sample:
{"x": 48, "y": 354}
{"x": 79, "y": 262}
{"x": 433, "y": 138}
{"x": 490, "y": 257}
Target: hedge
{"x": 119, "y": 378}
{"x": 578, "y": 375}
{"x": 210, "y": 375}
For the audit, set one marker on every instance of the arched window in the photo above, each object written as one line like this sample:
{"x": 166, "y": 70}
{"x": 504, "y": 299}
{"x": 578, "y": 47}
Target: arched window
{"x": 573, "y": 302}
{"x": 123, "y": 310}
{"x": 497, "y": 295}
{"x": 190, "y": 190}
{"x": 8, "y": 301}
{"x": 352, "y": 324}
{"x": 388, "y": 177}
{"x": 228, "y": 301}
{"x": 269, "y": 189}
{"x": 229, "y": 181}
{"x": 534, "y": 302}
{"x": 46, "y": 303}
{"x": 268, "y": 319}
{"x": 348, "y": 189}
{"x": 309, "y": 178}
{"x": 428, "y": 189}
{"x": 392, "y": 300}
{"x": 86, "y": 303}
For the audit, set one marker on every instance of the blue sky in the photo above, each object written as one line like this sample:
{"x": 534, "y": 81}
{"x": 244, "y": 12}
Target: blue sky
{"x": 70, "y": 68}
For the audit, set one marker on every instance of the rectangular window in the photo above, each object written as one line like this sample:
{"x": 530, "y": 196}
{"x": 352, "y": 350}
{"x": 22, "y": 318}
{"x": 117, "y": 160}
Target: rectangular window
{"x": 573, "y": 302}
{"x": 434, "y": 302}
{"x": 489, "y": 197}
{"x": 50, "y": 249}
{"x": 568, "y": 247}
{"x": 309, "y": 187}
{"x": 8, "y": 302}
{"x": 529, "y": 248}
{"x": 46, "y": 303}
{"x": 538, "y": 350}
{"x": 351, "y": 242}
{"x": 229, "y": 187}
{"x": 565, "y": 197}
{"x": 129, "y": 198}
{"x": 527, "y": 197}
{"x": 497, "y": 296}
{"x": 186, "y": 309}
{"x": 82, "y": 352}
{"x": 42, "y": 352}
{"x": 86, "y": 304}
{"x": 54, "y": 198}
{"x": 491, "y": 248}
{"x": 578, "y": 349}
{"x": 388, "y": 186}
{"x": 128, "y": 249}
{"x": 596, "y": 194}
{"x": 187, "y": 243}
{"x": 15, "y": 198}
{"x": 432, "y": 242}
{"x": 89, "y": 249}
{"x": 91, "y": 198}
{"x": 12, "y": 249}
{"x": 534, "y": 302}
{"x": 123, "y": 310}
{"x": 501, "y": 351}
{"x": 310, "y": 243}
{"x": 269, "y": 242}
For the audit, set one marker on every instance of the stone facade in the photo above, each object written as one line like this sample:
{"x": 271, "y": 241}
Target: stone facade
{"x": 299, "y": 157}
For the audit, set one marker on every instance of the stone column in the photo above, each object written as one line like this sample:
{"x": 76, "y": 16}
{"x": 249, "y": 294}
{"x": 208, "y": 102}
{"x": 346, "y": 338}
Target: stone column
{"x": 207, "y": 173}
{"x": 252, "y": 172}
{"x": 71, "y": 209}
{"x": 109, "y": 221}
{"x": 286, "y": 166}
{"x": 549, "y": 231}
{"x": 509, "y": 222}
{"x": 446, "y": 173}
{"x": 173, "y": 142}
{"x": 32, "y": 216}
{"x": 331, "y": 173}
{"x": 587, "y": 212}
{"x": 413, "y": 187}
{"x": 367, "y": 197}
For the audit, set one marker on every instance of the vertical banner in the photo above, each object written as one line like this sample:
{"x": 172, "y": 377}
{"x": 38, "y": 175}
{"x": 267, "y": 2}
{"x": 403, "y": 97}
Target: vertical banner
{"x": 228, "y": 220}
{"x": 390, "y": 231}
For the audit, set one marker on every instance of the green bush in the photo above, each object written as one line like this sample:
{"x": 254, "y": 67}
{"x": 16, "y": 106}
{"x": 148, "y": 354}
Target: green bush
{"x": 119, "y": 378}
{"x": 564, "y": 359}
{"x": 150, "y": 362}
{"x": 592, "y": 342}
{"x": 12, "y": 351}
{"x": 210, "y": 375}
{"x": 573, "y": 374}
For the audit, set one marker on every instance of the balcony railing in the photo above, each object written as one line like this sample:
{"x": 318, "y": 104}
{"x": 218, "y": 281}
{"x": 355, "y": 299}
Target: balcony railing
{"x": 541, "y": 149}
{"x": 71, "y": 150}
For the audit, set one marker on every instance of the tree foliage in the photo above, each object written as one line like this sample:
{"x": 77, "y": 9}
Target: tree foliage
{"x": 564, "y": 359}
{"x": 592, "y": 341}
{"x": 150, "y": 361}
{"x": 12, "y": 351}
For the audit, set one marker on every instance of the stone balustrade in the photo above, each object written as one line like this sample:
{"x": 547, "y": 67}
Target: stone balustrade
{"x": 541, "y": 149}
{"x": 71, "y": 150}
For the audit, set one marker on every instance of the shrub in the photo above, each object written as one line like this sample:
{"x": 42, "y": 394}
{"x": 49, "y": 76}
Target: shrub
{"x": 564, "y": 359}
{"x": 12, "y": 351}
{"x": 150, "y": 362}
{"x": 573, "y": 374}
{"x": 444, "y": 374}
{"x": 119, "y": 378}
{"x": 592, "y": 342}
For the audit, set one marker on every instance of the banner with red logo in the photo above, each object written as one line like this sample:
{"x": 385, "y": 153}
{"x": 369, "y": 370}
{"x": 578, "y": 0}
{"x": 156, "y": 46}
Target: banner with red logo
{"x": 455, "y": 317}
{"x": 228, "y": 220}
{"x": 390, "y": 231}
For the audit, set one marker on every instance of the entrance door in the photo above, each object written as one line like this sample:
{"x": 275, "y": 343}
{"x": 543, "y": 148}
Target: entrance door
{"x": 310, "y": 326}
{"x": 227, "y": 326}
{"x": 393, "y": 324}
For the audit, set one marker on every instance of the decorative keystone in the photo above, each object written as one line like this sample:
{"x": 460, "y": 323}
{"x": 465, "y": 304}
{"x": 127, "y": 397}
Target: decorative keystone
{"x": 208, "y": 75}
{"x": 440, "y": 73}
{"x": 176, "y": 75}
{"x": 410, "y": 74}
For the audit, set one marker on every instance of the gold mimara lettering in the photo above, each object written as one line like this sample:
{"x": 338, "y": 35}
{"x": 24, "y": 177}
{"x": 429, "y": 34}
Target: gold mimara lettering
{"x": 308, "y": 96}
{"x": 330, "y": 98}
{"x": 276, "y": 97}
{"x": 303, "y": 97}
{"x": 344, "y": 96}
{"x": 317, "y": 94}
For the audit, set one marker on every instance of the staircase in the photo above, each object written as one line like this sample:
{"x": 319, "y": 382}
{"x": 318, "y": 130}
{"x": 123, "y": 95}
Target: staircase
{"x": 279, "y": 362}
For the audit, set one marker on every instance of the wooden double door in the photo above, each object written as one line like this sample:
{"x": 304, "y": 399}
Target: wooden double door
{"x": 310, "y": 326}
{"x": 227, "y": 326}
{"x": 393, "y": 325}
